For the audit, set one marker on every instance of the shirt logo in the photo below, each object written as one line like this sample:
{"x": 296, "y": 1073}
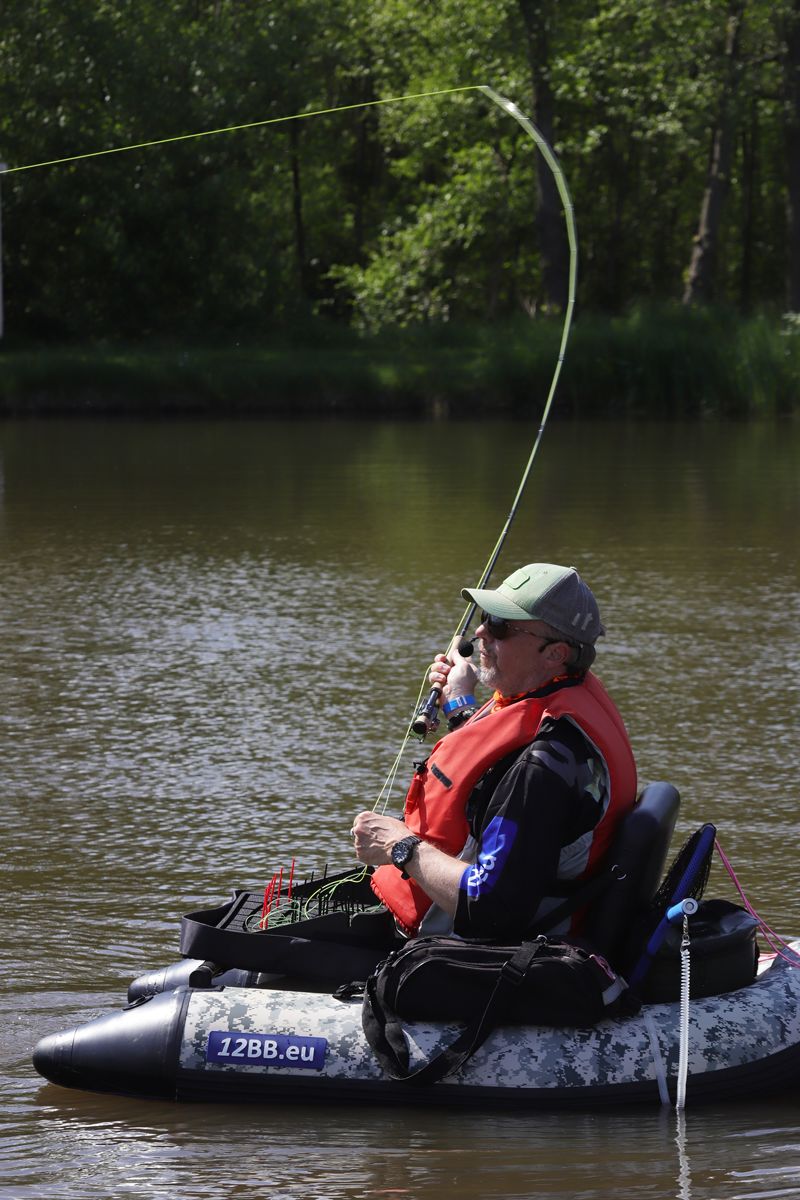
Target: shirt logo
{"x": 481, "y": 877}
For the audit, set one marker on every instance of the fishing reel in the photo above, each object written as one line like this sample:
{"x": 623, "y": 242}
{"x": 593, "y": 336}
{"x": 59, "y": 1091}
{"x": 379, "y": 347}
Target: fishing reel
{"x": 427, "y": 716}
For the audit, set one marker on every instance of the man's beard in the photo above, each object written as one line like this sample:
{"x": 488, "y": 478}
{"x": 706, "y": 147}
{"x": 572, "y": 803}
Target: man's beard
{"x": 488, "y": 676}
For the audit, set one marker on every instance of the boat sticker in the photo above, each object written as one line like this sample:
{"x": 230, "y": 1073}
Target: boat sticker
{"x": 266, "y": 1049}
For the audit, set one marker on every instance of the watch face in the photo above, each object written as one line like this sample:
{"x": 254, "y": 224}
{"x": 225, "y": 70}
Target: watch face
{"x": 403, "y": 850}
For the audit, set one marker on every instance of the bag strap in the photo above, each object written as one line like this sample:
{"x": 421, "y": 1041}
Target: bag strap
{"x": 583, "y": 895}
{"x": 384, "y": 1031}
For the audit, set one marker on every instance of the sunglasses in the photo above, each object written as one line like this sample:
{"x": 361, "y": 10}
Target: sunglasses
{"x": 500, "y": 629}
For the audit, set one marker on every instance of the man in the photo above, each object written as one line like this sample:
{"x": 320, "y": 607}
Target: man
{"x": 518, "y": 803}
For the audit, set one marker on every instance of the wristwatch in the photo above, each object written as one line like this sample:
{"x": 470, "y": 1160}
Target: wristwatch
{"x": 403, "y": 852}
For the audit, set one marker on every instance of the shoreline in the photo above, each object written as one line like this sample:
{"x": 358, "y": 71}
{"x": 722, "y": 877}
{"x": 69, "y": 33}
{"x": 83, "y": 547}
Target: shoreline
{"x": 654, "y": 365}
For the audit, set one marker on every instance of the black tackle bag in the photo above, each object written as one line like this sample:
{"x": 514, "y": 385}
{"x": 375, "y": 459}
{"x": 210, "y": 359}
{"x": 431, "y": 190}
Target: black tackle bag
{"x": 539, "y": 982}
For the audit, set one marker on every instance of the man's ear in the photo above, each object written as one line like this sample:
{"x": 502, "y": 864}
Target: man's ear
{"x": 560, "y": 652}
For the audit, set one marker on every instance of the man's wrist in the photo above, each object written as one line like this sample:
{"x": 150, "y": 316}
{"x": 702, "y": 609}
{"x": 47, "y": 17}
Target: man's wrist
{"x": 459, "y": 718}
{"x": 403, "y": 851}
{"x": 457, "y": 702}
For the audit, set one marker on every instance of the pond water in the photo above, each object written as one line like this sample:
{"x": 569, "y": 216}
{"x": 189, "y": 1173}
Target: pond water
{"x": 212, "y": 637}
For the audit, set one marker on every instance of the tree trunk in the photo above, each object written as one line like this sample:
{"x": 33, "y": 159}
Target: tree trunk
{"x": 749, "y": 209}
{"x": 297, "y": 205}
{"x": 701, "y": 276}
{"x": 792, "y": 93}
{"x": 549, "y": 219}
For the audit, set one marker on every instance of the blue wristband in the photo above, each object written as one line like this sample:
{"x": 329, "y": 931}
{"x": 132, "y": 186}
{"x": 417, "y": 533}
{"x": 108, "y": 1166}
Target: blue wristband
{"x": 459, "y": 702}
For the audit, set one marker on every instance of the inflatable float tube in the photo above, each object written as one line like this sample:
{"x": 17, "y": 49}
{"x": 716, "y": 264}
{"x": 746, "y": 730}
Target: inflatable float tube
{"x": 274, "y": 1045}
{"x": 248, "y": 1016}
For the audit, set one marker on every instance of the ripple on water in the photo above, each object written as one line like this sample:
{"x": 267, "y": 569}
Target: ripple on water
{"x": 210, "y": 647}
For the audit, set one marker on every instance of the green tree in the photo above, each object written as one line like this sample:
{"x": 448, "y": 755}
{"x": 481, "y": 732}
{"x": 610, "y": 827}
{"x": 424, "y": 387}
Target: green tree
{"x": 426, "y": 212}
{"x": 232, "y": 233}
{"x": 790, "y": 29}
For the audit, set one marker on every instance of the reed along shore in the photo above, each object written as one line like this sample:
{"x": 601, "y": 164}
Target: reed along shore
{"x": 654, "y": 364}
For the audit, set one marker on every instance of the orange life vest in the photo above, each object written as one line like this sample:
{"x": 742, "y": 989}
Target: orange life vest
{"x": 436, "y": 802}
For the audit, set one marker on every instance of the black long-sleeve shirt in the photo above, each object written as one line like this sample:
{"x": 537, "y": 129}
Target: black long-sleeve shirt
{"x": 532, "y": 817}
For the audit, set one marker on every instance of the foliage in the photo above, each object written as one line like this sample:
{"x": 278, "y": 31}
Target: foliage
{"x": 657, "y": 362}
{"x": 380, "y": 217}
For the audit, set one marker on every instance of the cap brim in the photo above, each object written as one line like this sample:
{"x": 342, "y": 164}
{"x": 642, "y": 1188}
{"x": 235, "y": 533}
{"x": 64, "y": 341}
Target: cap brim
{"x": 496, "y": 604}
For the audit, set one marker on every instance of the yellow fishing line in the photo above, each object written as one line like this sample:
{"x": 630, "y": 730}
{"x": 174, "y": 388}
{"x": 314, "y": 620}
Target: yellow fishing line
{"x": 184, "y": 137}
{"x": 512, "y": 110}
{"x": 326, "y": 889}
{"x": 544, "y": 149}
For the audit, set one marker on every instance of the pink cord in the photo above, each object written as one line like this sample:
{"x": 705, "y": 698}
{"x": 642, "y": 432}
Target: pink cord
{"x": 773, "y": 939}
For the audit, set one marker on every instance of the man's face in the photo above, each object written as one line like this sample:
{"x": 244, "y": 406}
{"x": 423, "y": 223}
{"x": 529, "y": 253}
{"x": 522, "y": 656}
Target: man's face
{"x": 523, "y": 658}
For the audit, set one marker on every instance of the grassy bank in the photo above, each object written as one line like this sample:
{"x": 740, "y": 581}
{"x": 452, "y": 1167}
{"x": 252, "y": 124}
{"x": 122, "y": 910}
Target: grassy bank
{"x": 647, "y": 364}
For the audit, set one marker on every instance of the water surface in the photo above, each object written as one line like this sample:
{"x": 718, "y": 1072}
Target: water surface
{"x": 212, "y": 638}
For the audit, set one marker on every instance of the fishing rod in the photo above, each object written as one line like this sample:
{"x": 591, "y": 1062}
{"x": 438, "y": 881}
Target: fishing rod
{"x": 426, "y": 718}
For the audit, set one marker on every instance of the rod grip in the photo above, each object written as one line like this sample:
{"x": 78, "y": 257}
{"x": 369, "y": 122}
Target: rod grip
{"x": 427, "y": 715}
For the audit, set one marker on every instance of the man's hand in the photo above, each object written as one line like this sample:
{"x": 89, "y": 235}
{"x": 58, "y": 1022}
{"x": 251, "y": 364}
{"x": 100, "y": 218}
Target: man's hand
{"x": 374, "y": 835}
{"x": 438, "y": 874}
{"x": 454, "y": 674}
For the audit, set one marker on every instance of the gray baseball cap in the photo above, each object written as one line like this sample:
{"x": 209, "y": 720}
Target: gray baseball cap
{"x": 544, "y": 592}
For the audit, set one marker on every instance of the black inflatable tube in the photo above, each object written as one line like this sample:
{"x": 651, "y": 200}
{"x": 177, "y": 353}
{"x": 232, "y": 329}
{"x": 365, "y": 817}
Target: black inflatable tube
{"x": 187, "y": 972}
{"x": 133, "y": 1052}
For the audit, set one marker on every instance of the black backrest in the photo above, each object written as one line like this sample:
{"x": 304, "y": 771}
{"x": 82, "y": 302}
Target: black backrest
{"x": 638, "y": 855}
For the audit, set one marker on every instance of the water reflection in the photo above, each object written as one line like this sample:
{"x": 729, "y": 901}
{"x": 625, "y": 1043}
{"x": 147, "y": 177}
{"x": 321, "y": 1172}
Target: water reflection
{"x": 360, "y": 1153}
